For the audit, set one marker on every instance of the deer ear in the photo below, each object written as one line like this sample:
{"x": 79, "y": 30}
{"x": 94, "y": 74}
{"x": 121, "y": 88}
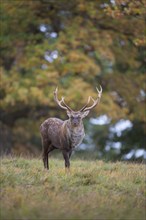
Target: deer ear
{"x": 68, "y": 113}
{"x": 84, "y": 114}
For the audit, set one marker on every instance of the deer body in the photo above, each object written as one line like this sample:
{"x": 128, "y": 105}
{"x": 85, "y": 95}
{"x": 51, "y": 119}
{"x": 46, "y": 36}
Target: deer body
{"x": 64, "y": 135}
{"x": 60, "y": 134}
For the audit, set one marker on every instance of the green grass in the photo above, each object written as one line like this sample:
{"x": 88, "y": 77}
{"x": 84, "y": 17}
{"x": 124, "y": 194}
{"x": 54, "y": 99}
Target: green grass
{"x": 94, "y": 190}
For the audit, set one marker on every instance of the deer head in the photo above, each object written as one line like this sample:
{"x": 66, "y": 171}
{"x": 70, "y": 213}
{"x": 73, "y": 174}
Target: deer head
{"x": 77, "y": 116}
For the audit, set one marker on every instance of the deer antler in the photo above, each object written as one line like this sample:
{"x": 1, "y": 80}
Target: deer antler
{"x": 81, "y": 110}
{"x": 95, "y": 102}
{"x": 64, "y": 106}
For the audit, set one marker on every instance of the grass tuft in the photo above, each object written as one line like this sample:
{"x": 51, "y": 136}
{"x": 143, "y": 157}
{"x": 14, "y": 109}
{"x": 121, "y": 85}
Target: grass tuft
{"x": 93, "y": 190}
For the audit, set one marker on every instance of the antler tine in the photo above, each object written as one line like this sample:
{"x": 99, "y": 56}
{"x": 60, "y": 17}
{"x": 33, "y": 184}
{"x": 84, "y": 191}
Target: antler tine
{"x": 86, "y": 104}
{"x": 99, "y": 91}
{"x": 95, "y": 102}
{"x": 65, "y": 106}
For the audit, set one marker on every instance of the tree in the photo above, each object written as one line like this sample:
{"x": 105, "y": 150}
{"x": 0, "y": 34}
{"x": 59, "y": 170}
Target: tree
{"x": 73, "y": 44}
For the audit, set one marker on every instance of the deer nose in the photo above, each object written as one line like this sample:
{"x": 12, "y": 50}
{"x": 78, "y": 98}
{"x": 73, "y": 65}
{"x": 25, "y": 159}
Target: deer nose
{"x": 75, "y": 121}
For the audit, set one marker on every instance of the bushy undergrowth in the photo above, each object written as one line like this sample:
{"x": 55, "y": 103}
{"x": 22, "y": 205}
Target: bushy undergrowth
{"x": 93, "y": 190}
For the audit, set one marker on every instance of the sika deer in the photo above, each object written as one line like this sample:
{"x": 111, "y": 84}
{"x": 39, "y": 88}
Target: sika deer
{"x": 65, "y": 135}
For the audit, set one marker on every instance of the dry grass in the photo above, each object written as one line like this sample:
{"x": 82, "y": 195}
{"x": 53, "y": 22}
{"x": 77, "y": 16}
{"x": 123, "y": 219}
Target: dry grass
{"x": 93, "y": 190}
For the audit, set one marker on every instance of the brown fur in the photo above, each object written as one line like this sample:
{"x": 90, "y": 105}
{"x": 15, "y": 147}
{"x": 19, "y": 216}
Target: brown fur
{"x": 63, "y": 135}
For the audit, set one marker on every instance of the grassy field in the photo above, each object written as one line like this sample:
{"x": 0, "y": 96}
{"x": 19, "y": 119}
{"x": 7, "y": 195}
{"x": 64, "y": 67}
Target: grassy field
{"x": 94, "y": 190}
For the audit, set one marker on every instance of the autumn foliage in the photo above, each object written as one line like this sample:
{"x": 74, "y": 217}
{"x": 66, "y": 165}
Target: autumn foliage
{"x": 76, "y": 45}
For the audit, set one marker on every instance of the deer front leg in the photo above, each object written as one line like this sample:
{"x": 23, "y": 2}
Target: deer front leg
{"x": 67, "y": 162}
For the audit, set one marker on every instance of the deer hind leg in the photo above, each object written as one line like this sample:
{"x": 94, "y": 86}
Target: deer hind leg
{"x": 45, "y": 161}
{"x": 45, "y": 146}
{"x": 67, "y": 162}
{"x": 51, "y": 148}
{"x": 45, "y": 158}
{"x": 70, "y": 153}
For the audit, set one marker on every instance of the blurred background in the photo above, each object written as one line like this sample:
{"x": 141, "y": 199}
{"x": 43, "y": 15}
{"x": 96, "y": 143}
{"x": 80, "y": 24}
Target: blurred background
{"x": 75, "y": 45}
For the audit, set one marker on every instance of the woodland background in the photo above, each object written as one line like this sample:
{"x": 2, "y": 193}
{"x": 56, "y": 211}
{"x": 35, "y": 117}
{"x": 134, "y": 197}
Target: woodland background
{"x": 75, "y": 45}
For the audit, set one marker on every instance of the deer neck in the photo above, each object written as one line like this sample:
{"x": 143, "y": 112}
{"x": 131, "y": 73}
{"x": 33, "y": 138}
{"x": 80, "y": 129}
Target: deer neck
{"x": 74, "y": 135}
{"x": 75, "y": 129}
